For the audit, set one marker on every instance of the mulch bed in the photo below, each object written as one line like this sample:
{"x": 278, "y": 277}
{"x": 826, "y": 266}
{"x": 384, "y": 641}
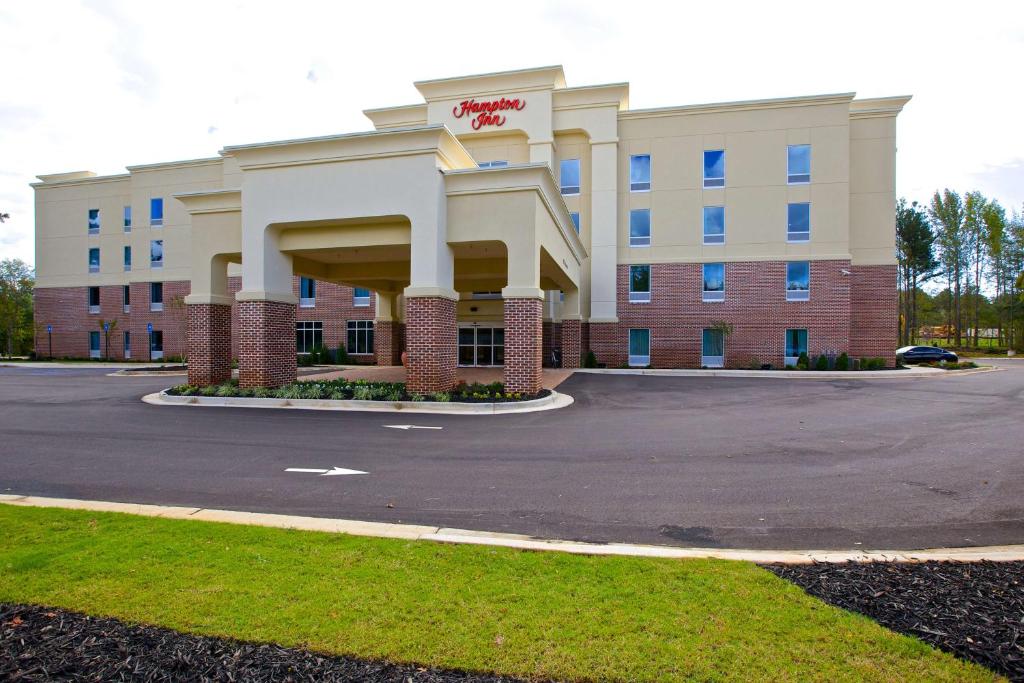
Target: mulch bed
{"x": 974, "y": 610}
{"x": 44, "y": 644}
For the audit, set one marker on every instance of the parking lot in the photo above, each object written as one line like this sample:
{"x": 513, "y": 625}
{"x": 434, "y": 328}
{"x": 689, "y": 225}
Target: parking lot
{"x": 693, "y": 461}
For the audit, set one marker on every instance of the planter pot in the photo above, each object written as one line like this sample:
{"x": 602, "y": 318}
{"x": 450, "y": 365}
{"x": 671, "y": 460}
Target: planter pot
{"x": 405, "y": 359}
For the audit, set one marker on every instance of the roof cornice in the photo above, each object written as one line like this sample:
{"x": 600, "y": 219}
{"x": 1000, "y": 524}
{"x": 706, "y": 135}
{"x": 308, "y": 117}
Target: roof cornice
{"x": 743, "y": 105}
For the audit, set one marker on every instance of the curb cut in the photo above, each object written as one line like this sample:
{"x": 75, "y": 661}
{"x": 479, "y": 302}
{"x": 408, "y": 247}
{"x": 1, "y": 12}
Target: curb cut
{"x": 1007, "y": 553}
{"x": 552, "y": 401}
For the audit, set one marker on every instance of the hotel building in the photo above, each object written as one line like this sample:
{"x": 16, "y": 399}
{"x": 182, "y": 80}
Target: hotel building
{"x": 506, "y": 220}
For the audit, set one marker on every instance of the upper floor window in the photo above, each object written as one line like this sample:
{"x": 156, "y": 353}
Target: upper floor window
{"x": 94, "y": 259}
{"x": 307, "y": 292}
{"x": 156, "y": 253}
{"x": 640, "y": 228}
{"x": 360, "y": 297}
{"x": 714, "y": 282}
{"x": 156, "y": 211}
{"x": 493, "y": 164}
{"x": 639, "y": 284}
{"x": 799, "y": 164}
{"x": 94, "y": 299}
{"x": 798, "y": 225}
{"x": 714, "y": 168}
{"x": 127, "y": 219}
{"x": 798, "y": 281}
{"x": 569, "y": 176}
{"x": 714, "y": 225}
{"x": 94, "y": 221}
{"x": 156, "y": 296}
{"x": 575, "y": 216}
{"x": 640, "y": 173}
{"x": 127, "y": 258}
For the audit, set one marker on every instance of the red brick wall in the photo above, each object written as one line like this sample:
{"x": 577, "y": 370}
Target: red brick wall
{"x": 209, "y": 343}
{"x": 387, "y": 342}
{"x": 523, "y": 345}
{"x": 755, "y": 305}
{"x": 873, "y": 312}
{"x": 571, "y": 349}
{"x": 431, "y": 343}
{"x": 266, "y": 344}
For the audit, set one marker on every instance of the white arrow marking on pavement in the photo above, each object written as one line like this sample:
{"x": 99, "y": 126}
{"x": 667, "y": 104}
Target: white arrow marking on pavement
{"x": 325, "y": 473}
{"x": 410, "y": 427}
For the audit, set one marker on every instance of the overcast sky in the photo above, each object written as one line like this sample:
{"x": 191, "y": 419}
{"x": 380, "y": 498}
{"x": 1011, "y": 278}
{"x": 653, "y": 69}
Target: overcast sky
{"x": 102, "y": 85}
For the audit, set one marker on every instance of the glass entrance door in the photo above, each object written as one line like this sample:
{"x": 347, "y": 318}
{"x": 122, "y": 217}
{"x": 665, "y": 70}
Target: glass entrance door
{"x": 481, "y": 346}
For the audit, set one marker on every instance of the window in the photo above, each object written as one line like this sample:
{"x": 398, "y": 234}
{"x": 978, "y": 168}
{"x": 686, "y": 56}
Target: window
{"x": 127, "y": 258}
{"x": 308, "y": 336}
{"x": 156, "y": 212}
{"x": 94, "y": 259}
{"x": 640, "y": 228}
{"x": 94, "y": 345}
{"x": 639, "y": 284}
{"x": 714, "y": 225}
{"x": 712, "y": 354}
{"x": 94, "y": 221}
{"x": 360, "y": 337}
{"x": 575, "y": 216}
{"x": 796, "y": 343}
{"x": 799, "y": 164}
{"x": 639, "y": 348}
{"x": 156, "y": 296}
{"x": 127, "y": 219}
{"x": 798, "y": 225}
{"x": 493, "y": 164}
{"x": 94, "y": 299}
{"x": 156, "y": 253}
{"x": 640, "y": 173}
{"x": 127, "y": 344}
{"x": 360, "y": 297}
{"x": 307, "y": 292}
{"x": 714, "y": 282}
{"x": 156, "y": 344}
{"x": 798, "y": 281}
{"x": 126, "y": 294}
{"x": 569, "y": 175}
{"x": 714, "y": 168}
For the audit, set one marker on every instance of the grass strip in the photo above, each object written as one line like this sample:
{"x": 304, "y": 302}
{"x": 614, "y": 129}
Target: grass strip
{"x": 546, "y": 615}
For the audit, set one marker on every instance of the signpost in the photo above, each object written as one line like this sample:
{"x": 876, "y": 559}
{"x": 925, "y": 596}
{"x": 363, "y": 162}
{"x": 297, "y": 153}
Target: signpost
{"x": 149, "y": 333}
{"x": 49, "y": 334}
{"x": 106, "y": 338}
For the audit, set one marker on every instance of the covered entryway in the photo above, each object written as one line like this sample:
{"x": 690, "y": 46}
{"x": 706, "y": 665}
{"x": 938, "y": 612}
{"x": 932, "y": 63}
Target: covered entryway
{"x": 481, "y": 345}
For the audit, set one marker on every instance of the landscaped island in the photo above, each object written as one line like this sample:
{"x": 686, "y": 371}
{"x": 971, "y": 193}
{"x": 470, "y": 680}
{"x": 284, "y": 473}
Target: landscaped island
{"x": 360, "y": 390}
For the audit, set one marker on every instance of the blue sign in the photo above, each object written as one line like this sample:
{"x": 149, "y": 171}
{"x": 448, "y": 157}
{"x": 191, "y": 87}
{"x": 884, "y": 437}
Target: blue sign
{"x": 49, "y": 329}
{"x": 149, "y": 328}
{"x": 106, "y": 327}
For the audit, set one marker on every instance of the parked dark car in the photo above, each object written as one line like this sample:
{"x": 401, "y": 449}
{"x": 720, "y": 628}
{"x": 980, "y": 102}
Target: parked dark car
{"x": 926, "y": 354}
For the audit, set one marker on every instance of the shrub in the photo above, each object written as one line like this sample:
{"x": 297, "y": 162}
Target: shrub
{"x": 442, "y": 397}
{"x": 590, "y": 360}
{"x": 362, "y": 393}
{"x": 872, "y": 364}
{"x": 208, "y": 391}
{"x": 341, "y": 356}
{"x": 821, "y": 363}
{"x": 803, "y": 362}
{"x": 262, "y": 392}
{"x": 227, "y": 391}
{"x": 304, "y": 360}
{"x": 843, "y": 362}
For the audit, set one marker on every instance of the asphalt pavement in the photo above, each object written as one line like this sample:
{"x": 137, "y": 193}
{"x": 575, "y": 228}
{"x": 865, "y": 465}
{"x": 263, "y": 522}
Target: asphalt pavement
{"x": 688, "y": 461}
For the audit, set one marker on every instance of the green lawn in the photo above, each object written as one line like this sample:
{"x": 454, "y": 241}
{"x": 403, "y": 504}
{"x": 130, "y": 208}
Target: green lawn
{"x": 469, "y": 607}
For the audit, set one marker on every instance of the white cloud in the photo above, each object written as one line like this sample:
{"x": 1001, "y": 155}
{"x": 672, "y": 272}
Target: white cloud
{"x": 101, "y": 85}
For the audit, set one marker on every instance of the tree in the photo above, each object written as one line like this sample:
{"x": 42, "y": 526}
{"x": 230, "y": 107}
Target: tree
{"x": 974, "y": 240}
{"x": 995, "y": 237}
{"x": 16, "y": 283}
{"x": 947, "y": 211}
{"x": 107, "y": 326}
{"x": 915, "y": 254}
{"x": 4, "y": 216}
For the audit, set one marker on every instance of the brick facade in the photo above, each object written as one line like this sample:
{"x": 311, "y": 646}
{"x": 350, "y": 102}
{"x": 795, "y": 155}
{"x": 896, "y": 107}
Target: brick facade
{"x": 209, "y": 343}
{"x": 523, "y": 344}
{"x": 874, "y": 313}
{"x": 388, "y": 342}
{"x": 551, "y": 340}
{"x": 431, "y": 344}
{"x": 571, "y": 348}
{"x": 266, "y": 343}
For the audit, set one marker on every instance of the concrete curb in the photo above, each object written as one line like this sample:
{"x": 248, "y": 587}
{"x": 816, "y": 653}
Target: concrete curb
{"x": 1008, "y": 553}
{"x": 791, "y": 374}
{"x": 553, "y": 401}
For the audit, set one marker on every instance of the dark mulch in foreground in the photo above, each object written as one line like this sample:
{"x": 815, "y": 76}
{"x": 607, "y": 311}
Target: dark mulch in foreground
{"x": 44, "y": 644}
{"x": 973, "y": 609}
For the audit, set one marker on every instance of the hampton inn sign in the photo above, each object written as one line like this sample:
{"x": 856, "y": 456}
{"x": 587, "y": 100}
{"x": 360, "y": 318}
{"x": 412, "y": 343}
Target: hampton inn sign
{"x": 470, "y": 229}
{"x": 485, "y": 111}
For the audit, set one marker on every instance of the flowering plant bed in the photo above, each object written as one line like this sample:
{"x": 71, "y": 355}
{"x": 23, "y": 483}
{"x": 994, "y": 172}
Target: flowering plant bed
{"x": 360, "y": 390}
{"x": 961, "y": 365}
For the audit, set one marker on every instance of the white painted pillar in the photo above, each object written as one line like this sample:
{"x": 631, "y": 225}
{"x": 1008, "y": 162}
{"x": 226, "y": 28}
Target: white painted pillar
{"x": 603, "y": 229}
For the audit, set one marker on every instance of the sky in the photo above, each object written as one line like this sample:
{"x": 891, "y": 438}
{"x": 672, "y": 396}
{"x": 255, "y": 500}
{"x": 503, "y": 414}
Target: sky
{"x": 103, "y": 85}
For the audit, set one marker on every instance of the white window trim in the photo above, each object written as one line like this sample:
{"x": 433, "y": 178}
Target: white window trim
{"x": 370, "y": 327}
{"x": 93, "y": 309}
{"x": 562, "y": 188}
{"x": 791, "y": 361}
{"x": 795, "y": 237}
{"x": 633, "y": 186}
{"x": 711, "y": 296}
{"x": 313, "y": 329}
{"x": 307, "y": 302}
{"x": 360, "y": 301}
{"x": 127, "y": 308}
{"x": 641, "y": 297}
{"x": 639, "y": 361}
{"x": 798, "y": 294}
{"x": 156, "y": 307}
{"x": 642, "y": 242}
{"x": 710, "y": 182}
{"x": 790, "y": 175}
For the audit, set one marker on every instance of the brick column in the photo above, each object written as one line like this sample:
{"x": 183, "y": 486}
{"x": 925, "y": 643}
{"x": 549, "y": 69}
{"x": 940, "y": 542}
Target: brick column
{"x": 430, "y": 335}
{"x": 571, "y": 343}
{"x": 209, "y": 343}
{"x": 523, "y": 344}
{"x": 266, "y": 343}
{"x": 387, "y": 342}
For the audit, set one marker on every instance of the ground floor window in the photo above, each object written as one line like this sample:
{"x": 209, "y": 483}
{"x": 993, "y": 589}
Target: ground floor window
{"x": 156, "y": 344}
{"x": 712, "y": 353}
{"x": 360, "y": 337}
{"x": 127, "y": 344}
{"x": 640, "y": 348}
{"x": 481, "y": 345}
{"x": 94, "y": 345}
{"x": 309, "y": 335}
{"x": 796, "y": 343}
